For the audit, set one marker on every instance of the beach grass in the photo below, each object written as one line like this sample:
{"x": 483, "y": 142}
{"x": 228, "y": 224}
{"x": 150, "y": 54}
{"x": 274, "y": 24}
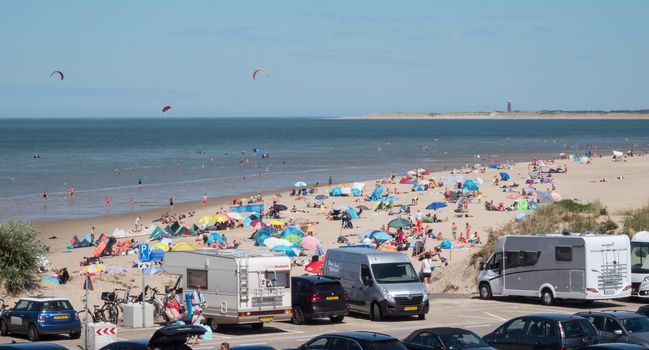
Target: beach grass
{"x": 20, "y": 252}
{"x": 636, "y": 220}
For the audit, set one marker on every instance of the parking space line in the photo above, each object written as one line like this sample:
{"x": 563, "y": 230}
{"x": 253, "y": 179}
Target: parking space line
{"x": 494, "y": 316}
{"x": 478, "y": 326}
{"x": 477, "y": 317}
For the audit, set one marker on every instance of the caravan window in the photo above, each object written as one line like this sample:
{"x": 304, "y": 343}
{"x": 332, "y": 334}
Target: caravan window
{"x": 563, "y": 253}
{"x": 529, "y": 258}
{"x": 278, "y": 279}
{"x": 512, "y": 259}
{"x": 639, "y": 255}
{"x": 196, "y": 278}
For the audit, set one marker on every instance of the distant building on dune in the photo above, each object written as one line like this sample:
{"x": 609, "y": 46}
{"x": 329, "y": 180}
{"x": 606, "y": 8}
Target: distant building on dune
{"x": 509, "y": 106}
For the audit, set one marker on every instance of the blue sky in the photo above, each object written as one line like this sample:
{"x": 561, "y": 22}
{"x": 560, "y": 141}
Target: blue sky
{"x": 324, "y": 58}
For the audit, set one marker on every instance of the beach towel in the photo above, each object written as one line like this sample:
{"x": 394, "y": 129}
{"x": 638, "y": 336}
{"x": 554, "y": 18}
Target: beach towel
{"x": 115, "y": 269}
{"x": 51, "y": 279}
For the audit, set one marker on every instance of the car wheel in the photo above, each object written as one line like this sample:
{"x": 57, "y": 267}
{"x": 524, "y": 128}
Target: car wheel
{"x": 375, "y": 315}
{"x": 32, "y": 333}
{"x": 3, "y": 329}
{"x": 485, "y": 291}
{"x": 546, "y": 297}
{"x": 257, "y": 326}
{"x": 336, "y": 319}
{"x": 298, "y": 315}
{"x": 75, "y": 335}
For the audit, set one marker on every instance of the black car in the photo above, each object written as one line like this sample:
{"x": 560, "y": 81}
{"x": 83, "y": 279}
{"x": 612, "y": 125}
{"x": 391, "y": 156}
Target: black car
{"x": 620, "y": 326}
{"x": 546, "y": 331}
{"x": 353, "y": 341}
{"x": 318, "y": 297}
{"x": 165, "y": 338}
{"x": 31, "y": 346}
{"x": 444, "y": 338}
{"x": 643, "y": 310}
{"x": 613, "y": 346}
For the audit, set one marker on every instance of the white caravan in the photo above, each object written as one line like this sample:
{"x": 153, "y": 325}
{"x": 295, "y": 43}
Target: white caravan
{"x": 555, "y": 266}
{"x": 640, "y": 264}
{"x": 240, "y": 287}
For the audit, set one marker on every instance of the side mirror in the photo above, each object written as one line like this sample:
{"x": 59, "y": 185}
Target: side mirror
{"x": 482, "y": 266}
{"x": 618, "y": 332}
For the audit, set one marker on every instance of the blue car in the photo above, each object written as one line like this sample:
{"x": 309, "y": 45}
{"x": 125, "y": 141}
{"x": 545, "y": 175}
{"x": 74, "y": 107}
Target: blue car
{"x": 41, "y": 316}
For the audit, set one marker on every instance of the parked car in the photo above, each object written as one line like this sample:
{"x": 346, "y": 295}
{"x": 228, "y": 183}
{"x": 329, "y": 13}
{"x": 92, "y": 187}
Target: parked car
{"x": 40, "y": 316}
{"x": 353, "y": 341}
{"x": 318, "y": 297}
{"x": 643, "y": 310}
{"x": 620, "y": 326}
{"x": 32, "y": 346}
{"x": 252, "y": 347}
{"x": 165, "y": 338}
{"x": 547, "y": 331}
{"x": 444, "y": 338}
{"x": 613, "y": 346}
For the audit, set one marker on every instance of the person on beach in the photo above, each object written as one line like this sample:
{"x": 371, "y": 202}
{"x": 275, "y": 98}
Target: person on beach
{"x": 454, "y": 231}
{"x": 172, "y": 309}
{"x": 331, "y": 181}
{"x": 107, "y": 200}
{"x": 467, "y": 229}
{"x": 45, "y": 196}
{"x": 138, "y": 224}
{"x": 420, "y": 217}
{"x": 171, "y": 201}
{"x": 426, "y": 271}
{"x": 204, "y": 199}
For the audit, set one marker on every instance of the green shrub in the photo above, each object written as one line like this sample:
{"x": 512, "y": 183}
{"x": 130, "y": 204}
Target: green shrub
{"x": 637, "y": 220}
{"x": 19, "y": 256}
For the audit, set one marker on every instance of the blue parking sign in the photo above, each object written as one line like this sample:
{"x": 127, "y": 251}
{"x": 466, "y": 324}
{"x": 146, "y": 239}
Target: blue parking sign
{"x": 143, "y": 252}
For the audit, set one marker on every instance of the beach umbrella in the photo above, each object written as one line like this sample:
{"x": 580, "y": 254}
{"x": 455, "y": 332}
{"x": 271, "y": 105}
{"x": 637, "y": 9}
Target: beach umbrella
{"x": 276, "y": 222}
{"x": 400, "y": 222}
{"x": 92, "y": 269}
{"x": 214, "y": 237}
{"x": 470, "y": 185}
{"x": 364, "y": 207}
{"x": 309, "y": 243}
{"x": 321, "y": 197}
{"x": 221, "y": 218}
{"x": 314, "y": 267}
{"x": 504, "y": 176}
{"x": 270, "y": 242}
{"x": 381, "y": 236}
{"x": 292, "y": 238}
{"x": 513, "y": 196}
{"x": 206, "y": 220}
{"x": 300, "y": 184}
{"x": 286, "y": 249}
{"x": 436, "y": 205}
{"x": 292, "y": 230}
{"x": 257, "y": 224}
{"x": 279, "y": 207}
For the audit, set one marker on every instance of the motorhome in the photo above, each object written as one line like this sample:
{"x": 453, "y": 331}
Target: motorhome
{"x": 640, "y": 264}
{"x": 239, "y": 287}
{"x": 557, "y": 266}
{"x": 379, "y": 283}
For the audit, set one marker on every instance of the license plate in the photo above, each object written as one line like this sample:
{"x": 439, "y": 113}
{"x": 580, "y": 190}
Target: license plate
{"x": 335, "y": 297}
{"x": 61, "y": 317}
{"x": 410, "y": 308}
{"x": 266, "y": 319}
{"x": 608, "y": 292}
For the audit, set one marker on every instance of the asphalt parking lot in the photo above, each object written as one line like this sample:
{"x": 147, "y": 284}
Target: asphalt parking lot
{"x": 465, "y": 311}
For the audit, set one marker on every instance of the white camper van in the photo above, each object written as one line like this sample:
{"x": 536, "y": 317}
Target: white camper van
{"x": 240, "y": 287}
{"x": 554, "y": 266}
{"x": 640, "y": 264}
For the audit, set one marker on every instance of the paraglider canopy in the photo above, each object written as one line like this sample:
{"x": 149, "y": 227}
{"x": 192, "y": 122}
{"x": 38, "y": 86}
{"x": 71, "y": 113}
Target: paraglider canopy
{"x": 257, "y": 70}
{"x": 57, "y": 72}
{"x": 165, "y": 108}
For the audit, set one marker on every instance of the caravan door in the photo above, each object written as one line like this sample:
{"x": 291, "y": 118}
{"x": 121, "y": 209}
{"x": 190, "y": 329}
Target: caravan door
{"x": 493, "y": 273}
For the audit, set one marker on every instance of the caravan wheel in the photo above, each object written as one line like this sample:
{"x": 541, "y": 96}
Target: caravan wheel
{"x": 257, "y": 326}
{"x": 546, "y": 297}
{"x": 485, "y": 291}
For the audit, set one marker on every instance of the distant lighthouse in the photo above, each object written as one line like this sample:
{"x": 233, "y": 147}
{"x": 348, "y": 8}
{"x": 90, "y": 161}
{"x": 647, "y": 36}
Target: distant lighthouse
{"x": 509, "y": 106}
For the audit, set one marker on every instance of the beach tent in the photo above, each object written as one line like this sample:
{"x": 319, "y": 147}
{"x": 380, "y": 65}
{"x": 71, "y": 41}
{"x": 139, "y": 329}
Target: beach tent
{"x": 352, "y": 213}
{"x": 183, "y": 231}
{"x": 521, "y": 204}
{"x": 470, "y": 185}
{"x": 618, "y": 154}
{"x": 286, "y": 249}
{"x": 160, "y": 246}
{"x": 293, "y": 238}
{"x": 271, "y": 242}
{"x": 427, "y": 219}
{"x": 359, "y": 186}
{"x": 260, "y": 237}
{"x": 335, "y": 192}
{"x": 436, "y": 205}
{"x": 246, "y": 221}
{"x": 250, "y": 208}
{"x": 504, "y": 176}
{"x": 76, "y": 243}
{"x": 404, "y": 180}
{"x": 346, "y": 191}
{"x": 418, "y": 187}
{"x": 356, "y": 192}
{"x": 268, "y": 229}
{"x": 309, "y": 243}
{"x": 182, "y": 247}
{"x": 377, "y": 192}
{"x": 381, "y": 236}
{"x": 214, "y": 237}
{"x": 446, "y": 244}
{"x": 156, "y": 234}
{"x": 292, "y": 230}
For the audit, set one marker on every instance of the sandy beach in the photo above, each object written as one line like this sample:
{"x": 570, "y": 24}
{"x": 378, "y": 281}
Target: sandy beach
{"x": 583, "y": 181}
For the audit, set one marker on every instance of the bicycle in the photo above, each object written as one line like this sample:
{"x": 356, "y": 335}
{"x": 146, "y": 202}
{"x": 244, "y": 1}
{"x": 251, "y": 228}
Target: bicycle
{"x": 158, "y": 305}
{"x": 105, "y": 313}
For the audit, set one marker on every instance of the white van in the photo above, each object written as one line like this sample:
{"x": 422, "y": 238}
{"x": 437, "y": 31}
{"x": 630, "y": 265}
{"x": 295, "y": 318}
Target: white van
{"x": 240, "y": 287}
{"x": 640, "y": 264}
{"x": 555, "y": 266}
{"x": 378, "y": 283}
